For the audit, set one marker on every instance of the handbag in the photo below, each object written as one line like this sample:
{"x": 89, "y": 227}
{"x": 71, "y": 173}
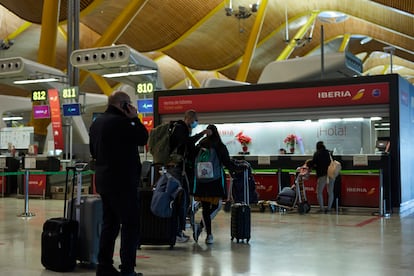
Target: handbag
{"x": 334, "y": 168}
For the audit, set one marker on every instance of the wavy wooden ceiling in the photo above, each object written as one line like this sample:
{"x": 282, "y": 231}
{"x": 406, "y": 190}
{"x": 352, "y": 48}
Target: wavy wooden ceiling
{"x": 197, "y": 33}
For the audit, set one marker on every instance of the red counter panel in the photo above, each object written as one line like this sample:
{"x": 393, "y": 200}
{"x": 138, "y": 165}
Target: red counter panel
{"x": 37, "y": 184}
{"x": 267, "y": 186}
{"x": 3, "y": 184}
{"x": 311, "y": 191}
{"x": 360, "y": 190}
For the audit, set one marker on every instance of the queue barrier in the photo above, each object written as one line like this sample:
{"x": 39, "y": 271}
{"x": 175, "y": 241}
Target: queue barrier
{"x": 27, "y": 173}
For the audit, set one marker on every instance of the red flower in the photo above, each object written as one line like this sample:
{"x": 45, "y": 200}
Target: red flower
{"x": 291, "y": 139}
{"x": 243, "y": 139}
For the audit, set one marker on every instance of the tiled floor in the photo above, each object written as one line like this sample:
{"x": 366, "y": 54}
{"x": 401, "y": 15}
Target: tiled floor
{"x": 281, "y": 244}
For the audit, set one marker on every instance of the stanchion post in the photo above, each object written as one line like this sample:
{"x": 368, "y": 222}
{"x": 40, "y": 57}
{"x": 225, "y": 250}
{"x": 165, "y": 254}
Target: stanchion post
{"x": 337, "y": 205}
{"x": 381, "y": 199}
{"x": 2, "y": 182}
{"x": 3, "y": 167}
{"x": 26, "y": 212}
{"x": 279, "y": 179}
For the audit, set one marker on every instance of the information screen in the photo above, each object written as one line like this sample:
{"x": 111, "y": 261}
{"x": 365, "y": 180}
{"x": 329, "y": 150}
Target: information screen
{"x": 71, "y": 109}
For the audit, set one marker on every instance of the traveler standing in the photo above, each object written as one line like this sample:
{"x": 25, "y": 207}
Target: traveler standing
{"x": 320, "y": 161}
{"x": 210, "y": 193}
{"x": 182, "y": 146}
{"x": 114, "y": 140}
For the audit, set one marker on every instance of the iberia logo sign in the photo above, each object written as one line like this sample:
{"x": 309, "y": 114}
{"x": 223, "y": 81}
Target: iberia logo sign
{"x": 349, "y": 94}
{"x": 358, "y": 95}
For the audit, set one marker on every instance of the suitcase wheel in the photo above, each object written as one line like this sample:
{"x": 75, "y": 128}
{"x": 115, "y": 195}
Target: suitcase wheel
{"x": 227, "y": 206}
{"x": 262, "y": 208}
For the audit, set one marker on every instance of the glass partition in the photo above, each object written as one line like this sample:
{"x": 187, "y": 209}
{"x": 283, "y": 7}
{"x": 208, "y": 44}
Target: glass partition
{"x": 342, "y": 136}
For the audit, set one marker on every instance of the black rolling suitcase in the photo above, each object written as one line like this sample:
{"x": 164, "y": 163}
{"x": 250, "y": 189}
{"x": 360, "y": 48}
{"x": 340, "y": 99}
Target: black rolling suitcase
{"x": 155, "y": 230}
{"x": 59, "y": 239}
{"x": 89, "y": 214}
{"x": 241, "y": 215}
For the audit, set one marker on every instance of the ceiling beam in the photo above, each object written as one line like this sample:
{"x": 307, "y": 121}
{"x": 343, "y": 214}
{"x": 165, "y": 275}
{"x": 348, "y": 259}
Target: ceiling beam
{"x": 252, "y": 42}
{"x": 48, "y": 35}
{"x": 298, "y": 36}
{"x": 117, "y": 28}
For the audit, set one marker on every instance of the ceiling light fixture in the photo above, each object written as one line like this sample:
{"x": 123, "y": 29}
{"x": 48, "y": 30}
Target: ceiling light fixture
{"x": 132, "y": 73}
{"x": 13, "y": 118}
{"x": 242, "y": 12}
{"x": 35, "y": 81}
{"x": 15, "y": 71}
{"x": 118, "y": 61}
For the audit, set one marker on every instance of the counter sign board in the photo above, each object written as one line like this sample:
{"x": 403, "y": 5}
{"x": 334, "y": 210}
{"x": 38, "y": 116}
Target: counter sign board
{"x": 72, "y": 109}
{"x": 145, "y": 106}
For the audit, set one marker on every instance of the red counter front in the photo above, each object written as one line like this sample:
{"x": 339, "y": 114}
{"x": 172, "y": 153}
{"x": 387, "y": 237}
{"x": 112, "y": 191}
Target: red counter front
{"x": 356, "y": 191}
{"x": 311, "y": 191}
{"x": 2, "y": 184}
{"x": 267, "y": 186}
{"x": 37, "y": 184}
{"x": 360, "y": 190}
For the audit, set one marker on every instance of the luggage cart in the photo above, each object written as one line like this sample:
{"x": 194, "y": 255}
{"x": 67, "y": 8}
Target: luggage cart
{"x": 300, "y": 201}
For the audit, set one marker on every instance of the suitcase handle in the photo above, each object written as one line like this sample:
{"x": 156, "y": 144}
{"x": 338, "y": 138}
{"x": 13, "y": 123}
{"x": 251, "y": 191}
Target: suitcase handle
{"x": 66, "y": 191}
{"x": 246, "y": 186}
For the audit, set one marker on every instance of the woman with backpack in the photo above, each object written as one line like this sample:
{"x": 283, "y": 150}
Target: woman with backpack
{"x": 209, "y": 181}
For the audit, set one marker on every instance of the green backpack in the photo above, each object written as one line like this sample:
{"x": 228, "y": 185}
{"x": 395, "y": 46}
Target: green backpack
{"x": 159, "y": 142}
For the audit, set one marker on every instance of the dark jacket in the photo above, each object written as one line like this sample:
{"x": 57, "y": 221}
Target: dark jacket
{"x": 114, "y": 140}
{"x": 320, "y": 161}
{"x": 215, "y": 188}
{"x": 182, "y": 142}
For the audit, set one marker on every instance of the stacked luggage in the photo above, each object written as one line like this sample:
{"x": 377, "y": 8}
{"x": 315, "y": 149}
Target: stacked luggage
{"x": 75, "y": 236}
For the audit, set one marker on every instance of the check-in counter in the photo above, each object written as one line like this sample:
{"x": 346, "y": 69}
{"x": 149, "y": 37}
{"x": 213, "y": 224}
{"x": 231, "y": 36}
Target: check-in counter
{"x": 356, "y": 186}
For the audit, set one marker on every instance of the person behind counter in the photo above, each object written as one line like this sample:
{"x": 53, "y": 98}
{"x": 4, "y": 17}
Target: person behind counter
{"x": 320, "y": 161}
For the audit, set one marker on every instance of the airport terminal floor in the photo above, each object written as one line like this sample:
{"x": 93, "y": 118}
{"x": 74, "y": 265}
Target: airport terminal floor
{"x": 347, "y": 243}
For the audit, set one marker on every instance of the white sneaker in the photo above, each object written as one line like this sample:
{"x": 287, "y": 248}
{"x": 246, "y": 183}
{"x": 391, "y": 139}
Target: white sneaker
{"x": 182, "y": 238}
{"x": 210, "y": 239}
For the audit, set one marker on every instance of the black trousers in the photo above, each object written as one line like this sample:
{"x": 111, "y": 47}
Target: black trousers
{"x": 120, "y": 212}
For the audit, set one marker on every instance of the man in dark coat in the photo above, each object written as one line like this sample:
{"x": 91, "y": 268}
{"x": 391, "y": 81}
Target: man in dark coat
{"x": 114, "y": 140}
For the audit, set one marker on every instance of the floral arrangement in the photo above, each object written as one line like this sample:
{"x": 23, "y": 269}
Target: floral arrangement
{"x": 291, "y": 139}
{"x": 244, "y": 140}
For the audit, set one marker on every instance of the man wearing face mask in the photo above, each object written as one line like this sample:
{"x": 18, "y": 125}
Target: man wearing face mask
{"x": 183, "y": 143}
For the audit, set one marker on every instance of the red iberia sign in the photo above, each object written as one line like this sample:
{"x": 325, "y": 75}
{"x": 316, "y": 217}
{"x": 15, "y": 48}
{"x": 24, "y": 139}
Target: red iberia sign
{"x": 55, "y": 117}
{"x": 341, "y": 95}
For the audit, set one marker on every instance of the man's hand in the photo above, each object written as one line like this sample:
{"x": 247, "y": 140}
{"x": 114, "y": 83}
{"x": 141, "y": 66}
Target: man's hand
{"x": 207, "y": 132}
{"x": 131, "y": 111}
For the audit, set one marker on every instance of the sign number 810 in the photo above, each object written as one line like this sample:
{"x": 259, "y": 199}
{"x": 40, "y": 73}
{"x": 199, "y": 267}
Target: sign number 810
{"x": 146, "y": 87}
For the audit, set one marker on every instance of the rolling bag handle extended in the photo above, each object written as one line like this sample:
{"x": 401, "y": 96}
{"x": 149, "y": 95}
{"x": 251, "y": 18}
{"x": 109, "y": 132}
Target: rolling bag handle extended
{"x": 66, "y": 192}
{"x": 246, "y": 186}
